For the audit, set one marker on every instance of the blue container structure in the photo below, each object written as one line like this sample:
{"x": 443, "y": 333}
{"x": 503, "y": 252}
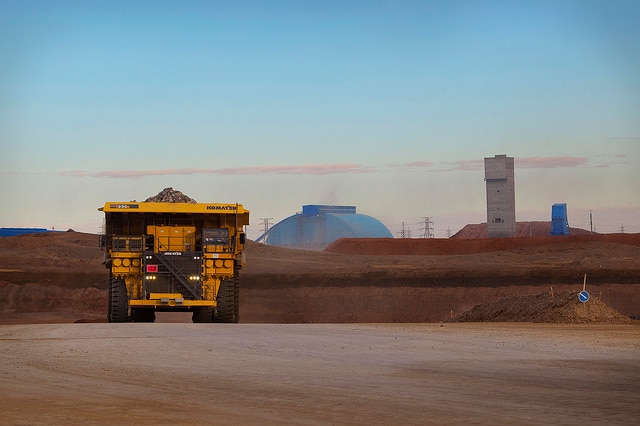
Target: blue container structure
{"x": 11, "y": 232}
{"x": 559, "y": 220}
{"x": 319, "y": 225}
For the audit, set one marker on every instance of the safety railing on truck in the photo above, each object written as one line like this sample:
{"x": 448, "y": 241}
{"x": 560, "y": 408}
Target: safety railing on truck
{"x": 169, "y": 243}
{"x": 127, "y": 243}
{"x": 214, "y": 240}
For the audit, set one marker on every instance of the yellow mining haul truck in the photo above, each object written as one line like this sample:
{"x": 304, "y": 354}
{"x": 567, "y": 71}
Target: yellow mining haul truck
{"x": 173, "y": 257}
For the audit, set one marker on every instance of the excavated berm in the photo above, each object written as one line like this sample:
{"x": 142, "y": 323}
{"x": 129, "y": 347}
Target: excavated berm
{"x": 59, "y": 277}
{"x": 564, "y": 307}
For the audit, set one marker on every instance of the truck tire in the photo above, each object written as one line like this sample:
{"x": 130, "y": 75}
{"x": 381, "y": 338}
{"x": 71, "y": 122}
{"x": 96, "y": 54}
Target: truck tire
{"x": 143, "y": 315}
{"x": 236, "y": 296}
{"x": 201, "y": 315}
{"x": 109, "y": 296}
{"x": 225, "y": 311}
{"x": 118, "y": 301}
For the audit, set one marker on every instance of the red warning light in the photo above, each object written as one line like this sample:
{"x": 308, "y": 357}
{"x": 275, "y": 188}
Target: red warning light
{"x": 152, "y": 268}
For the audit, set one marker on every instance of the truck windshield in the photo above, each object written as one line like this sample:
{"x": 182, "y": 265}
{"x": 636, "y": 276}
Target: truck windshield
{"x": 215, "y": 236}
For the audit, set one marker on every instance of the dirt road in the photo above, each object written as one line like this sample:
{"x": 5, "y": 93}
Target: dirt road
{"x": 319, "y": 374}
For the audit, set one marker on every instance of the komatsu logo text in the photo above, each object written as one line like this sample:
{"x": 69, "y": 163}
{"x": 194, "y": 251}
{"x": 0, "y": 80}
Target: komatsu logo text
{"x": 223, "y": 208}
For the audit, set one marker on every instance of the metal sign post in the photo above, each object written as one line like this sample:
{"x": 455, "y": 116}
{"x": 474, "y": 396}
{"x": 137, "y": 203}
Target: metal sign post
{"x": 583, "y": 296}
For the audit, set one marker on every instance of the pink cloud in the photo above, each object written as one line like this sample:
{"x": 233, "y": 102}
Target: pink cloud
{"x": 549, "y": 162}
{"x": 420, "y": 164}
{"x": 466, "y": 165}
{"x": 347, "y": 168}
{"x": 310, "y": 169}
{"x": 523, "y": 163}
{"x": 621, "y": 159}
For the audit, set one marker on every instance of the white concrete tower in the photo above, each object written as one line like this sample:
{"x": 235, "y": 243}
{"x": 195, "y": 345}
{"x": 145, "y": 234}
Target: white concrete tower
{"x": 501, "y": 196}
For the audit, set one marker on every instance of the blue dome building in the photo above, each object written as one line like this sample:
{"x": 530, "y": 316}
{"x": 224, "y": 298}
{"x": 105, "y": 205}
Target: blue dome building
{"x": 318, "y": 226}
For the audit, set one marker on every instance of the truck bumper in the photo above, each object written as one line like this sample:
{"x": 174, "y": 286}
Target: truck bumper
{"x": 170, "y": 300}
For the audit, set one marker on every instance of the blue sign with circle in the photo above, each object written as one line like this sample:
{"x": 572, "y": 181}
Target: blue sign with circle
{"x": 583, "y": 296}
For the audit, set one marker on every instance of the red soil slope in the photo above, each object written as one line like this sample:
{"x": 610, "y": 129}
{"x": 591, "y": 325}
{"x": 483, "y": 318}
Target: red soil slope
{"x": 59, "y": 277}
{"x": 523, "y": 229}
{"x": 459, "y": 246}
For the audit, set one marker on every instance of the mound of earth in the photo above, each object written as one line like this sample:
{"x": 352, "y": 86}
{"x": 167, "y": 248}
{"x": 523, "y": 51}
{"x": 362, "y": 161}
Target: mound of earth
{"x": 563, "y": 307}
{"x": 523, "y": 229}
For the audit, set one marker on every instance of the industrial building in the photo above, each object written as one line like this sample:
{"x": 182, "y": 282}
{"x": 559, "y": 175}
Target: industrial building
{"x": 11, "y": 232}
{"x": 317, "y": 226}
{"x": 559, "y": 219}
{"x": 501, "y": 196}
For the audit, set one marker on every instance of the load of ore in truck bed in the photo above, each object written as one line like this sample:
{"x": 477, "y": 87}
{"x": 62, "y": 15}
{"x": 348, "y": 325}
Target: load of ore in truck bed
{"x": 170, "y": 195}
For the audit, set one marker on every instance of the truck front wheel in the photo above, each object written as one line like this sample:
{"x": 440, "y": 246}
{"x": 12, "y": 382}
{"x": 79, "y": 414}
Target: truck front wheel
{"x": 118, "y": 301}
{"x": 225, "y": 309}
{"x": 236, "y": 296}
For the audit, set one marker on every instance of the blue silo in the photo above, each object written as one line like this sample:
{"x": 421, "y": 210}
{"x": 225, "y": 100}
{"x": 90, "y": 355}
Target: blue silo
{"x": 559, "y": 219}
{"x": 319, "y": 225}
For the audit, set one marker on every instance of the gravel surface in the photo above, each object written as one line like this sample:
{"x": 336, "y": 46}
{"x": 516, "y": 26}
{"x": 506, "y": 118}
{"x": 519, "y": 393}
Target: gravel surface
{"x": 311, "y": 374}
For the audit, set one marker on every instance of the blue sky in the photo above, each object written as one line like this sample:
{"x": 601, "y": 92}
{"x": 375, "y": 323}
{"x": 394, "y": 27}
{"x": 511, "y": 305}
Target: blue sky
{"x": 387, "y": 105}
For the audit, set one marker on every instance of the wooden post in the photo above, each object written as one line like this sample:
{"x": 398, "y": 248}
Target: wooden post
{"x": 551, "y": 292}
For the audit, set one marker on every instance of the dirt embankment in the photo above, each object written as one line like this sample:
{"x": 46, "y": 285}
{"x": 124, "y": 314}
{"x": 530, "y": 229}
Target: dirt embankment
{"x": 523, "y": 229}
{"x": 458, "y": 246}
{"x": 59, "y": 277}
{"x": 563, "y": 307}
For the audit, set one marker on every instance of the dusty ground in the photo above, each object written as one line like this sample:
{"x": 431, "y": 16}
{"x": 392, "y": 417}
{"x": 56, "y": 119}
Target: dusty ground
{"x": 464, "y": 373}
{"x": 349, "y": 373}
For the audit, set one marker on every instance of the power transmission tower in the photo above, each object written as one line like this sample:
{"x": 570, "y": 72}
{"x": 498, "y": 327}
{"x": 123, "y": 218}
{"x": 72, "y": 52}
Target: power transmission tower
{"x": 591, "y": 221}
{"x": 266, "y": 223}
{"x": 427, "y": 227}
{"x": 448, "y": 232}
{"x": 402, "y": 231}
{"x": 622, "y": 228}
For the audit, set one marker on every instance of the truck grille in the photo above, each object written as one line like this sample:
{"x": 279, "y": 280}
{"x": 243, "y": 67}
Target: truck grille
{"x": 173, "y": 272}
